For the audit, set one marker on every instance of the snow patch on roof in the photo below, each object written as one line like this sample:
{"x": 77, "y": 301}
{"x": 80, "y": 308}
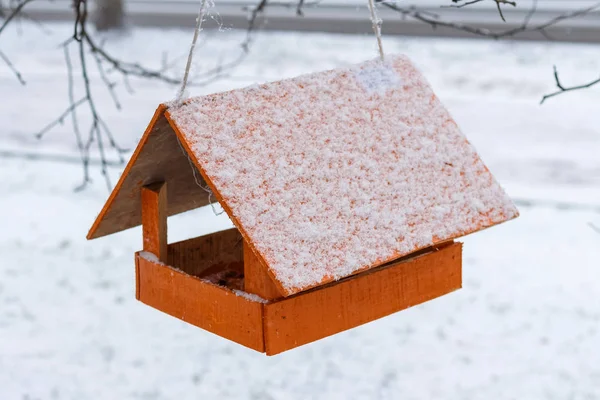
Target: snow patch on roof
{"x": 339, "y": 171}
{"x": 378, "y": 78}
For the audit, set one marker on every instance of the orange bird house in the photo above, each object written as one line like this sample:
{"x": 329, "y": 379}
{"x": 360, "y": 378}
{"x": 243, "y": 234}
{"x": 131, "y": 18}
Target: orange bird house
{"x": 346, "y": 188}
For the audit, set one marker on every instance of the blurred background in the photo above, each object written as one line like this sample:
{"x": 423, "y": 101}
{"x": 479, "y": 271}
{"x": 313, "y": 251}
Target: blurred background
{"x": 79, "y": 83}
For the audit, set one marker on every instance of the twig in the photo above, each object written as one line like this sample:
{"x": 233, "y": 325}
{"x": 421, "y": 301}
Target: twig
{"x": 435, "y": 21}
{"x": 262, "y": 5}
{"x": 254, "y": 13}
{"x": 126, "y": 68}
{"x": 61, "y": 118}
{"x": 11, "y": 66}
{"x": 299, "y": 11}
{"x": 15, "y": 11}
{"x": 82, "y": 151}
{"x": 109, "y": 85}
{"x": 563, "y": 89}
{"x": 498, "y": 3}
{"x": 99, "y": 134}
{"x": 456, "y": 5}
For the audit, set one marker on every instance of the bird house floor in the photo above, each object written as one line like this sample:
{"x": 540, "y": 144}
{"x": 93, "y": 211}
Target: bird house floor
{"x": 203, "y": 283}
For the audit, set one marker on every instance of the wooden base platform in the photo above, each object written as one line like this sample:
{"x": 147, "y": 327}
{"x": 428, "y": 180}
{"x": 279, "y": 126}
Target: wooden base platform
{"x": 219, "y": 305}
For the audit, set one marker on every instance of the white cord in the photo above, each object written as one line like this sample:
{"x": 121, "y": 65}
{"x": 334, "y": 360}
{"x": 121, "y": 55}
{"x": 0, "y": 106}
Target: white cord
{"x": 376, "y": 21}
{"x": 200, "y": 18}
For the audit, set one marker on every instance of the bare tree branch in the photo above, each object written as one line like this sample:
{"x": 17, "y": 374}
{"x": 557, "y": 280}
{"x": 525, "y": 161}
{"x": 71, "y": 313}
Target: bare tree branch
{"x": 15, "y": 11}
{"x": 256, "y": 11}
{"x": 99, "y": 135}
{"x": 109, "y": 85}
{"x": 435, "y": 21}
{"x": 11, "y": 66}
{"x": 85, "y": 45}
{"x": 464, "y": 3}
{"x": 61, "y": 118}
{"x": 299, "y": 11}
{"x": 563, "y": 89}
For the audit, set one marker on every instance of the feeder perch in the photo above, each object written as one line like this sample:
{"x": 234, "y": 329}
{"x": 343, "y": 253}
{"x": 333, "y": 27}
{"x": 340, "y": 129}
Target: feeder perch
{"x": 346, "y": 188}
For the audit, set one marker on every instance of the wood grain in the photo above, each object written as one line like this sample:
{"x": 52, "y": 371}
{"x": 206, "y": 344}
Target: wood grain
{"x": 256, "y": 278}
{"x": 359, "y": 299}
{"x": 210, "y": 307}
{"x": 158, "y": 157}
{"x": 210, "y": 253}
{"x": 154, "y": 219}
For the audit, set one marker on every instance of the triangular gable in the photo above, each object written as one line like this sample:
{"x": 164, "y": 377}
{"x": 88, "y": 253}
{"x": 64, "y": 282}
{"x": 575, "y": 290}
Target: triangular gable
{"x": 158, "y": 157}
{"x": 329, "y": 174}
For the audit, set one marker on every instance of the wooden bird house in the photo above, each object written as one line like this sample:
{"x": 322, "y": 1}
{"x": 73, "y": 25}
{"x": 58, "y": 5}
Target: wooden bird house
{"x": 346, "y": 189}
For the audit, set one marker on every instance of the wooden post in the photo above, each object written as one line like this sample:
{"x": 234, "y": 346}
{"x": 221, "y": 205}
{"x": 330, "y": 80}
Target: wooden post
{"x": 154, "y": 219}
{"x": 256, "y": 278}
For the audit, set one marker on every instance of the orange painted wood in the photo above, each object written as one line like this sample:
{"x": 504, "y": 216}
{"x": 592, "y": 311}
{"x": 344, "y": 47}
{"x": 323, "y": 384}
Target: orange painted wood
{"x": 209, "y": 253}
{"x": 158, "y": 157}
{"x": 256, "y": 278}
{"x": 210, "y": 307}
{"x": 154, "y": 219}
{"x": 362, "y": 298}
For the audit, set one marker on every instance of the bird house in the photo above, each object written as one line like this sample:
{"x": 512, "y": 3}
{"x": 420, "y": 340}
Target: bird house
{"x": 346, "y": 188}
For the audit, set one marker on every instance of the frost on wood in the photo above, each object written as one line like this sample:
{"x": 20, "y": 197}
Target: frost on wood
{"x": 339, "y": 171}
{"x": 250, "y": 296}
{"x": 146, "y": 255}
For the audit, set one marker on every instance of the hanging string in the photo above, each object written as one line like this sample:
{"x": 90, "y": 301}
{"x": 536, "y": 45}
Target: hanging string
{"x": 199, "y": 20}
{"x": 376, "y": 21}
{"x": 201, "y": 15}
{"x": 198, "y": 179}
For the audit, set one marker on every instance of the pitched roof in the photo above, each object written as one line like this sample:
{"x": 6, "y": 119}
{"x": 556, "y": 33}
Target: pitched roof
{"x": 336, "y": 172}
{"x": 325, "y": 175}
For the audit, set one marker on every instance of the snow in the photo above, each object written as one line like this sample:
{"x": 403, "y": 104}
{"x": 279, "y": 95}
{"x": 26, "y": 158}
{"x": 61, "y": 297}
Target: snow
{"x": 526, "y": 324}
{"x": 146, "y": 255}
{"x": 378, "y": 77}
{"x": 249, "y": 296}
{"x": 339, "y": 171}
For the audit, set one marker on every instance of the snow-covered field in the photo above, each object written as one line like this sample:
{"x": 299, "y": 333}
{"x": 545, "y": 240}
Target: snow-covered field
{"x": 526, "y": 325}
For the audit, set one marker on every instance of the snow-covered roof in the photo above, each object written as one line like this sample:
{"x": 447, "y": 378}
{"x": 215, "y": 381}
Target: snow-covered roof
{"x": 336, "y": 172}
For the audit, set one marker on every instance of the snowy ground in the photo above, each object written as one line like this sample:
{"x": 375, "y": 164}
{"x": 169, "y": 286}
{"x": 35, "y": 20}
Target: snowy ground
{"x": 526, "y": 325}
